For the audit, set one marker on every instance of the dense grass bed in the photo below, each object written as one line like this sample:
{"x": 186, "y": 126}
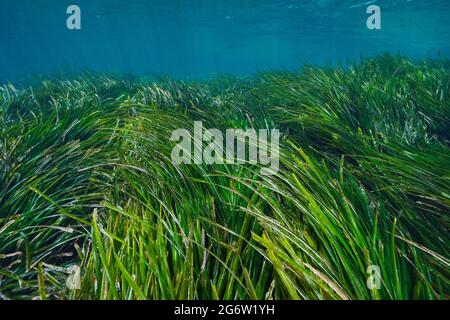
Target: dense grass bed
{"x": 86, "y": 179}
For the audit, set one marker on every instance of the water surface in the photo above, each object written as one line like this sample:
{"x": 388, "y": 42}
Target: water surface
{"x": 201, "y": 38}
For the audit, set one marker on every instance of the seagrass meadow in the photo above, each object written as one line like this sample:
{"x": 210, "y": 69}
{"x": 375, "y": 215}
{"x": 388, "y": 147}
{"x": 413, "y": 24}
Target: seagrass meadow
{"x": 86, "y": 179}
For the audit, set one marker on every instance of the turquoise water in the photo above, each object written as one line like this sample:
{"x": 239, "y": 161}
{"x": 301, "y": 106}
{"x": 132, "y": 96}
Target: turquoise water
{"x": 200, "y": 38}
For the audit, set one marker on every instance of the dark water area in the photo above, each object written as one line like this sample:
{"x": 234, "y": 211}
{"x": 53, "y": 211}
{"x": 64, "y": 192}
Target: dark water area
{"x": 201, "y": 38}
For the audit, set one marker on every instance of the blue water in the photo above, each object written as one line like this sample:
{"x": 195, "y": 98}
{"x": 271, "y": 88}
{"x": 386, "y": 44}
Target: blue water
{"x": 202, "y": 38}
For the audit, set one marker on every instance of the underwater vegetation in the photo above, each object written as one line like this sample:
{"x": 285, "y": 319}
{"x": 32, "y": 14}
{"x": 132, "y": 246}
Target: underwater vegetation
{"x": 364, "y": 180}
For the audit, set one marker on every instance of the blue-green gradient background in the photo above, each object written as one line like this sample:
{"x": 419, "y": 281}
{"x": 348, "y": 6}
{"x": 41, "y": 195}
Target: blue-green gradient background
{"x": 201, "y": 38}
